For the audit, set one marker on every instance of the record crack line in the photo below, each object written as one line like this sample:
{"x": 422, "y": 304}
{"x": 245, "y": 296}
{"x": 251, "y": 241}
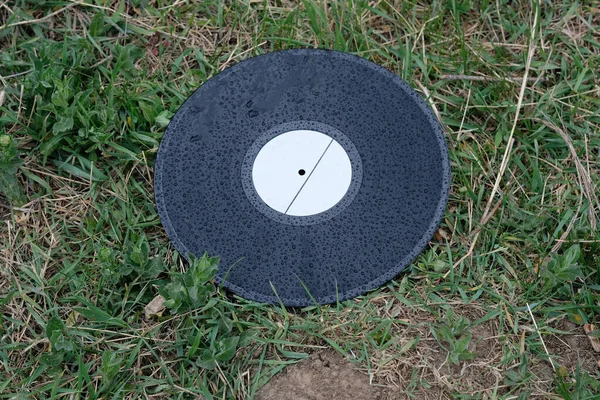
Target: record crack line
{"x": 309, "y": 175}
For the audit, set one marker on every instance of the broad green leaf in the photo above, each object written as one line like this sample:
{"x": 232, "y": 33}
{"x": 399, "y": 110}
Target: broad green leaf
{"x": 163, "y": 118}
{"x": 111, "y": 364}
{"x": 572, "y": 255}
{"x": 96, "y": 175}
{"x": 54, "y": 328}
{"x": 94, "y": 313}
{"x": 206, "y": 360}
{"x": 63, "y": 123}
{"x": 227, "y": 348}
{"x": 97, "y": 24}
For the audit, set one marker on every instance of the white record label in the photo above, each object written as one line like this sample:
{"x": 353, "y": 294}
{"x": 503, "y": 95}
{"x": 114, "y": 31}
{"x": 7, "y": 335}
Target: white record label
{"x": 301, "y": 173}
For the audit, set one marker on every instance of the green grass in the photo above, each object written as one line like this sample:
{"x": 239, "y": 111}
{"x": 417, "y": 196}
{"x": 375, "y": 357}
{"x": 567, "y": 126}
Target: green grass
{"x": 86, "y": 91}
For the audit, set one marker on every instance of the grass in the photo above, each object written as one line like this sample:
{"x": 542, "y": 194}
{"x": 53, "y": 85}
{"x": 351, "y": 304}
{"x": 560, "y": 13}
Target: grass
{"x": 494, "y": 308}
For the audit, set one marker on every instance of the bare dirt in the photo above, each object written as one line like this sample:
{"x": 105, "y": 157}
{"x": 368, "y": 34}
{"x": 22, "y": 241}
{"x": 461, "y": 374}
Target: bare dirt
{"x": 573, "y": 348}
{"x": 324, "y": 376}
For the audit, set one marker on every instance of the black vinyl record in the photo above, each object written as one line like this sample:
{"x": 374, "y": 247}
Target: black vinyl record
{"x": 315, "y": 175}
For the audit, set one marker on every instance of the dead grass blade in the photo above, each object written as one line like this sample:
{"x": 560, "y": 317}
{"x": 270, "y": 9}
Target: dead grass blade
{"x": 585, "y": 181}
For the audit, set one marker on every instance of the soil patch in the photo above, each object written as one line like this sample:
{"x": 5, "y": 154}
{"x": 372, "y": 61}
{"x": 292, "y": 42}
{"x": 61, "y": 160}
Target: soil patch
{"x": 572, "y": 349}
{"x": 324, "y": 376}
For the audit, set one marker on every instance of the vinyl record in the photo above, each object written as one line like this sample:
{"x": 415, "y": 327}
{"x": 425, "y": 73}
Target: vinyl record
{"x": 315, "y": 175}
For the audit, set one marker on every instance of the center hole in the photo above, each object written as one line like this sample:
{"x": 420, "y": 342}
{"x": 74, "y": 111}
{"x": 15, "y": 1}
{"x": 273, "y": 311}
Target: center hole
{"x": 301, "y": 172}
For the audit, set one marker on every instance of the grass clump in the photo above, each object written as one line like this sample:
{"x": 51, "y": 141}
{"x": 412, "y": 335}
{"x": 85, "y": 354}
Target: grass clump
{"x": 9, "y": 164}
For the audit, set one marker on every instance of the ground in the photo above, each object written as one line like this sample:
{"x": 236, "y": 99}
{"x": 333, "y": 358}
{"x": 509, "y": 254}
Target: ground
{"x": 494, "y": 308}
{"x": 325, "y": 375}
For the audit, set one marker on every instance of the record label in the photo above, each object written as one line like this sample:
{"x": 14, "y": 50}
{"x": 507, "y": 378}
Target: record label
{"x": 301, "y": 173}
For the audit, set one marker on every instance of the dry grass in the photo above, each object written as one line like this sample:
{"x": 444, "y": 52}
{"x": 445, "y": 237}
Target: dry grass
{"x": 520, "y": 110}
